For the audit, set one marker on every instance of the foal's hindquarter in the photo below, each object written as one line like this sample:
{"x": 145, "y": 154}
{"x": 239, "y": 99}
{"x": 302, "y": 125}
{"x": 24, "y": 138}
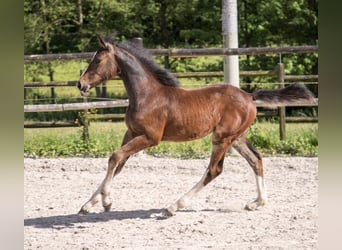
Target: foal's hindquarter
{"x": 183, "y": 115}
{"x": 227, "y": 112}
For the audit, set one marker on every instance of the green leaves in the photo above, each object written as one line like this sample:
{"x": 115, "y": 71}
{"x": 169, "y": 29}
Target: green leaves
{"x": 70, "y": 26}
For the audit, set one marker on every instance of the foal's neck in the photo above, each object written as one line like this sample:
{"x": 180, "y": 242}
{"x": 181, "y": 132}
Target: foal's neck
{"x": 138, "y": 83}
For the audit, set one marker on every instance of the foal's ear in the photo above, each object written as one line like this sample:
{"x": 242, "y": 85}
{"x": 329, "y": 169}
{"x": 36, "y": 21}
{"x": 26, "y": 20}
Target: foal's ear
{"x": 102, "y": 43}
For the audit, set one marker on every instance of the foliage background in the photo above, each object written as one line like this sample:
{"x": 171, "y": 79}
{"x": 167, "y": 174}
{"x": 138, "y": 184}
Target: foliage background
{"x": 61, "y": 26}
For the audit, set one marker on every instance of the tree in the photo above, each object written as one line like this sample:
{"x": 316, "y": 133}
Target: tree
{"x": 70, "y": 26}
{"x": 280, "y": 23}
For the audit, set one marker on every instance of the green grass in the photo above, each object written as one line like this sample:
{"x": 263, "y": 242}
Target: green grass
{"x": 56, "y": 142}
{"x": 106, "y": 137}
{"x": 301, "y": 139}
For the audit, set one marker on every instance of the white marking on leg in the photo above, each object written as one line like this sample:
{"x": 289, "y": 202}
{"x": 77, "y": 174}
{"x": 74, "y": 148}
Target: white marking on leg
{"x": 102, "y": 191}
{"x": 183, "y": 201}
{"x": 95, "y": 198}
{"x": 262, "y": 196}
{"x": 105, "y": 191}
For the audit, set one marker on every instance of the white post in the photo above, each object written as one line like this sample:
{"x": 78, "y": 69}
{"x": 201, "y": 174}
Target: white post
{"x": 230, "y": 40}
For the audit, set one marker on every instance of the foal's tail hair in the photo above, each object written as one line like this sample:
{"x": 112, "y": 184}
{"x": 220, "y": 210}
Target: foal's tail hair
{"x": 284, "y": 96}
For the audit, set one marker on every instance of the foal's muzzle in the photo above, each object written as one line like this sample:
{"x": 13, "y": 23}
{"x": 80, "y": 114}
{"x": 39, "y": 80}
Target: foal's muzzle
{"x": 83, "y": 88}
{"x": 79, "y": 85}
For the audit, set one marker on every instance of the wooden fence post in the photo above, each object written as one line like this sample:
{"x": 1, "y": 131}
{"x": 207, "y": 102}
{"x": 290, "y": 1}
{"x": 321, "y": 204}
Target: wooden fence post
{"x": 104, "y": 90}
{"x": 281, "y": 110}
{"x": 52, "y": 89}
{"x": 85, "y": 133}
{"x": 85, "y": 120}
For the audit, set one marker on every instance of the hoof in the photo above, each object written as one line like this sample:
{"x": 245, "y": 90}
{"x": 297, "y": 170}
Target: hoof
{"x": 167, "y": 213}
{"x": 255, "y": 205}
{"x": 83, "y": 211}
{"x": 107, "y": 207}
{"x": 163, "y": 215}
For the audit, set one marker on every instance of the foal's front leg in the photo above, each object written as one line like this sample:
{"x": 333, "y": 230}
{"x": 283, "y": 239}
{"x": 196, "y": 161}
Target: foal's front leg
{"x": 115, "y": 163}
{"x": 102, "y": 191}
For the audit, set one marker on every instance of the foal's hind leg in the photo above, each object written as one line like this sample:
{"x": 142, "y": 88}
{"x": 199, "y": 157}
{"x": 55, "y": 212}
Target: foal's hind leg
{"x": 214, "y": 169}
{"x": 255, "y": 161}
{"x": 95, "y": 198}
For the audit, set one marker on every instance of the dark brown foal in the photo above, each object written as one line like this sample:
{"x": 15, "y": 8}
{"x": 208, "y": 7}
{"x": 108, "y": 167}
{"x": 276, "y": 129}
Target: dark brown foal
{"x": 159, "y": 110}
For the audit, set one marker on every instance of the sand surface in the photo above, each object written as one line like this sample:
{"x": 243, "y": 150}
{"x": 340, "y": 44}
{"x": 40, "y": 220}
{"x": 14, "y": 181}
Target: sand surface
{"x": 55, "y": 189}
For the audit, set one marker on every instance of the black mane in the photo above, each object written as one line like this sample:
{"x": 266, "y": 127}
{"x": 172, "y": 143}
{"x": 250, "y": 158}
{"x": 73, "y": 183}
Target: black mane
{"x": 162, "y": 75}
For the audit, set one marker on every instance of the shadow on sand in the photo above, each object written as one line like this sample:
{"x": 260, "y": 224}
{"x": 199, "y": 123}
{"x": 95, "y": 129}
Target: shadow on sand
{"x": 71, "y": 220}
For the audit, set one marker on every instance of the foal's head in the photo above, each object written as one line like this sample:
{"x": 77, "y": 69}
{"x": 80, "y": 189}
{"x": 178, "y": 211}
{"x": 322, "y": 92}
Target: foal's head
{"x": 102, "y": 66}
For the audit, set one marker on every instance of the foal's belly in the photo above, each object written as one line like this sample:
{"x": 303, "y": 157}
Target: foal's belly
{"x": 187, "y": 130}
{"x": 178, "y": 136}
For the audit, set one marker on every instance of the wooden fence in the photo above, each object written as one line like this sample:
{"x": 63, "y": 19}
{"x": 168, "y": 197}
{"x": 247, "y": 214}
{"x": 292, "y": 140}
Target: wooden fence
{"x": 186, "y": 53}
{"x": 278, "y": 73}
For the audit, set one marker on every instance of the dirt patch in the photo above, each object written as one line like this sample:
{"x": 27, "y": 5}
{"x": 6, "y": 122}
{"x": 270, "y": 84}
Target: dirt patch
{"x": 56, "y": 188}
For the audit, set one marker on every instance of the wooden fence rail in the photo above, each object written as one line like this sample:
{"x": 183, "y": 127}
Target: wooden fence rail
{"x": 186, "y": 52}
{"x": 289, "y": 78}
{"x": 115, "y": 104}
{"x": 59, "y": 124}
{"x": 75, "y": 106}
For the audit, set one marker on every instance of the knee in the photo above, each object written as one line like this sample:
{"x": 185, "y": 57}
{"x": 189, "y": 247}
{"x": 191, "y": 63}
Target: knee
{"x": 114, "y": 159}
{"x": 212, "y": 174}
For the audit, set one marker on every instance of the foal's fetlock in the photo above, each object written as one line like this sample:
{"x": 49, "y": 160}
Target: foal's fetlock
{"x": 107, "y": 207}
{"x": 106, "y": 201}
{"x": 181, "y": 203}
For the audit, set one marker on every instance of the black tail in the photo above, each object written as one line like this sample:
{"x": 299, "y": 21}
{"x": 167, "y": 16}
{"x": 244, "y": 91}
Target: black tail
{"x": 279, "y": 97}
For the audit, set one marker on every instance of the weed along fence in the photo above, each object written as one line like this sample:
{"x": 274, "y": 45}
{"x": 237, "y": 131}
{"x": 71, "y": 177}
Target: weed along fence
{"x": 86, "y": 104}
